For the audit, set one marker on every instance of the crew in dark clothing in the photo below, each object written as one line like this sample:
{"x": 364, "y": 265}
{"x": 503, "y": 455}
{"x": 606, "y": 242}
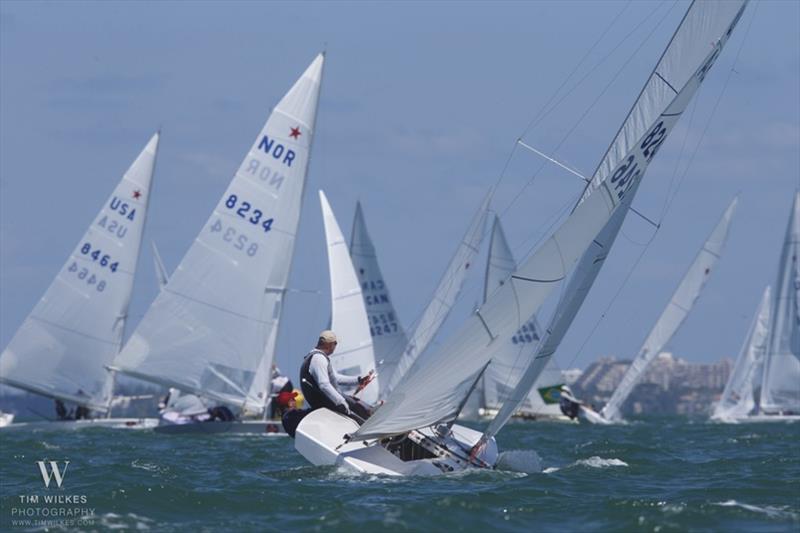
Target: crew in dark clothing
{"x": 61, "y": 411}
{"x": 320, "y": 382}
{"x": 568, "y": 404}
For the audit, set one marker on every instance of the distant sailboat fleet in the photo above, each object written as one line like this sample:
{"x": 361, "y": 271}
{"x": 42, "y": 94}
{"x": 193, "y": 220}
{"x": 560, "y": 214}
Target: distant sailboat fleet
{"x": 211, "y": 333}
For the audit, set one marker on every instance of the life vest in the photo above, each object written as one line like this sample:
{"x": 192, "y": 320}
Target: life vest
{"x": 308, "y": 383}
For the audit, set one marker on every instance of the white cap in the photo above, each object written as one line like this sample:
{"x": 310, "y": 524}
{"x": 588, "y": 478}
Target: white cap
{"x": 327, "y": 336}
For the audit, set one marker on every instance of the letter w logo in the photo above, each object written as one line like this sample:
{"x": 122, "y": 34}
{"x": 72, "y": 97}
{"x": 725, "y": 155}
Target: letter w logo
{"x": 53, "y": 473}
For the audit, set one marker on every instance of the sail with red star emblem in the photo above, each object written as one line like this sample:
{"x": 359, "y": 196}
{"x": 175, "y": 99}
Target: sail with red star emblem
{"x": 61, "y": 349}
{"x": 211, "y": 329}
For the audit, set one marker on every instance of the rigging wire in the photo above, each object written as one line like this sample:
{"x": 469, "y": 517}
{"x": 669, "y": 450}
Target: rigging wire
{"x": 605, "y": 89}
{"x": 669, "y": 203}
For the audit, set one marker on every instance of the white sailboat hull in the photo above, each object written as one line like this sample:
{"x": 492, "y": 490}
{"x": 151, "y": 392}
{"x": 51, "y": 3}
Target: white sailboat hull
{"x": 756, "y": 419}
{"x": 267, "y": 428}
{"x": 593, "y": 417}
{"x": 488, "y": 414}
{"x": 321, "y": 439}
{"x": 74, "y": 425}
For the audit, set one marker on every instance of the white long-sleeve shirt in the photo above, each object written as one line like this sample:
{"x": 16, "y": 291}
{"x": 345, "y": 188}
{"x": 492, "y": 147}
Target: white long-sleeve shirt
{"x": 329, "y": 379}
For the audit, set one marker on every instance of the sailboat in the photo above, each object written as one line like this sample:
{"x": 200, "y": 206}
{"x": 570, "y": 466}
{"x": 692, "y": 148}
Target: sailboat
{"x": 389, "y": 338}
{"x": 412, "y": 433}
{"x": 738, "y": 398}
{"x": 440, "y": 305}
{"x": 212, "y": 330}
{"x": 771, "y": 357}
{"x": 77, "y": 327}
{"x": 354, "y": 355}
{"x": 671, "y": 319}
{"x": 513, "y": 356}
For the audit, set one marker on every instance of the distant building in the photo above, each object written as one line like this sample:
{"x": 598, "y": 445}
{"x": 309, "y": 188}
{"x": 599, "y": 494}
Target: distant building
{"x": 670, "y": 385}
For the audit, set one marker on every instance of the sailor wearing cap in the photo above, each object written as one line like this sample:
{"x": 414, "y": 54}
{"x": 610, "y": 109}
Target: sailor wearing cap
{"x": 320, "y": 382}
{"x": 568, "y": 403}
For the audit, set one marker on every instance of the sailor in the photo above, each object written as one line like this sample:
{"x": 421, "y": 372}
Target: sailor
{"x": 61, "y": 411}
{"x": 320, "y": 382}
{"x": 569, "y": 405}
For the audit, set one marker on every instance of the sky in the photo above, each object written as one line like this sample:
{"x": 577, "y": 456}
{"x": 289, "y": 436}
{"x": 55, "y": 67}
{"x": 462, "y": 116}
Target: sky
{"x": 421, "y": 107}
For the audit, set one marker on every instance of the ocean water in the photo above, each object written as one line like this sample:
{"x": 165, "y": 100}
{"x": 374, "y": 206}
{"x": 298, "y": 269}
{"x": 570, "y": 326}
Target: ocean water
{"x": 656, "y": 475}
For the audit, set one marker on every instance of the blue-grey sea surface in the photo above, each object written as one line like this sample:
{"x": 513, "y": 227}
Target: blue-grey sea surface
{"x": 667, "y": 474}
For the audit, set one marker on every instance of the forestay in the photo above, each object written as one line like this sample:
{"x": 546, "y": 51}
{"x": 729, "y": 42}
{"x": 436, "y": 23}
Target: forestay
{"x": 388, "y": 336}
{"x": 738, "y": 398}
{"x": 674, "y": 314}
{"x": 513, "y": 354}
{"x": 76, "y": 328}
{"x": 354, "y": 355}
{"x": 780, "y": 388}
{"x": 443, "y": 299}
{"x": 207, "y": 330}
{"x": 704, "y": 23}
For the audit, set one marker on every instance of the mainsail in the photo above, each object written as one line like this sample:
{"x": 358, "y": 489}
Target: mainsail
{"x": 354, "y": 355}
{"x": 388, "y": 336}
{"x": 443, "y": 299}
{"x": 780, "y": 387}
{"x": 513, "y": 354}
{"x": 738, "y": 399}
{"x": 76, "y": 328}
{"x": 207, "y": 330}
{"x": 684, "y": 65}
{"x": 434, "y": 391}
{"x": 674, "y": 314}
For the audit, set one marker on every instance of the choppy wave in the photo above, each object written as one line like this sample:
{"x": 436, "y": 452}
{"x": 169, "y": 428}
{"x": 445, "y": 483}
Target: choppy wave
{"x": 769, "y": 510}
{"x": 665, "y": 474}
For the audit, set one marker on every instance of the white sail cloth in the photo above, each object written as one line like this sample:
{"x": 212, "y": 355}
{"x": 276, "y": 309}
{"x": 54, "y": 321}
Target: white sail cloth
{"x": 718, "y": 18}
{"x": 443, "y": 299}
{"x": 513, "y": 354}
{"x": 354, "y": 355}
{"x": 76, "y": 328}
{"x": 674, "y": 314}
{"x": 388, "y": 336}
{"x": 738, "y": 399}
{"x": 695, "y": 45}
{"x": 780, "y": 387}
{"x": 436, "y": 388}
{"x": 207, "y": 330}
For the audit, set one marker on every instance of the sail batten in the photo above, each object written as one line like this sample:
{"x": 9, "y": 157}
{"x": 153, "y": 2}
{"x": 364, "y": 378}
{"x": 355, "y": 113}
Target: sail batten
{"x": 512, "y": 354}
